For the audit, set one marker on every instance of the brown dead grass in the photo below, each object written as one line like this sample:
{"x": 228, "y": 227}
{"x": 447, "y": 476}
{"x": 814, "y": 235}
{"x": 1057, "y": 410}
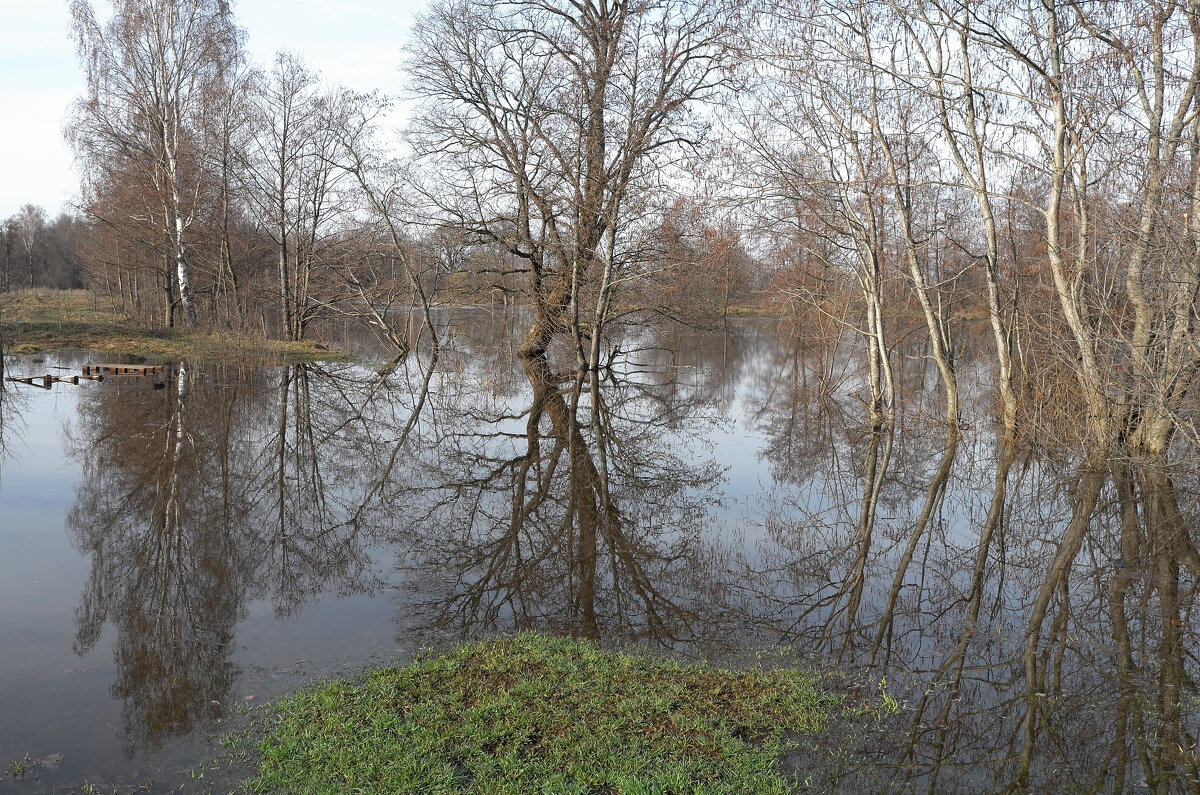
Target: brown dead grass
{"x": 42, "y": 321}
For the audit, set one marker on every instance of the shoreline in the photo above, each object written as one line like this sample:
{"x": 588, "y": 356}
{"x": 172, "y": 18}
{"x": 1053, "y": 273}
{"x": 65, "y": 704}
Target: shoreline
{"x": 46, "y": 321}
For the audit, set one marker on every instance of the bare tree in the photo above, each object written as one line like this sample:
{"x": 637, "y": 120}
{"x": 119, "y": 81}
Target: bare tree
{"x": 546, "y": 121}
{"x": 227, "y": 129}
{"x": 384, "y": 183}
{"x": 147, "y": 71}
{"x": 30, "y": 224}
{"x": 291, "y": 178}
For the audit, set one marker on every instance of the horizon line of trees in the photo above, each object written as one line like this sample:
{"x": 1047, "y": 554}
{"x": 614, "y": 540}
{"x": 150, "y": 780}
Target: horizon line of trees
{"x": 37, "y": 251}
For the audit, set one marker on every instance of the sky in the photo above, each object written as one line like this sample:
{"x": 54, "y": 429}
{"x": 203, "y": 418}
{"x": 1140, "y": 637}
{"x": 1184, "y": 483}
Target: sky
{"x": 354, "y": 43}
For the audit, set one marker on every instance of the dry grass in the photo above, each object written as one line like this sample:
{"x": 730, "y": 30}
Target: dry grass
{"x": 37, "y": 321}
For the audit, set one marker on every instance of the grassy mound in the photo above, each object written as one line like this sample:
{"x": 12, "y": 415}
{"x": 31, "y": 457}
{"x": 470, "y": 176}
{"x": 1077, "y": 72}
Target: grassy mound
{"x": 37, "y": 321}
{"x": 536, "y": 714}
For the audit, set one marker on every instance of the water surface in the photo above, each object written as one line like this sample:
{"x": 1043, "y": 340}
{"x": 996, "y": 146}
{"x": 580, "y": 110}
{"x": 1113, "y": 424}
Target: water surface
{"x": 177, "y": 547}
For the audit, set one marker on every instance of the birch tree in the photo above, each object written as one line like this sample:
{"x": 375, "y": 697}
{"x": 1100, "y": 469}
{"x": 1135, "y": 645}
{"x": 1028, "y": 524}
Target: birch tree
{"x": 147, "y": 69}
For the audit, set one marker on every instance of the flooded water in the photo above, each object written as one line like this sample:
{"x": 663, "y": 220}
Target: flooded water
{"x": 178, "y": 547}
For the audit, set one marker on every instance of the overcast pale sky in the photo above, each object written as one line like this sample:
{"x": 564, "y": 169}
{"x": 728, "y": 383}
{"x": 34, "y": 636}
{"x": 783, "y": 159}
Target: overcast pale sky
{"x": 355, "y": 43}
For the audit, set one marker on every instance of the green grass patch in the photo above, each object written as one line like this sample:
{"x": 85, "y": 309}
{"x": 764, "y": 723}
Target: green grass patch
{"x": 538, "y": 714}
{"x": 18, "y": 767}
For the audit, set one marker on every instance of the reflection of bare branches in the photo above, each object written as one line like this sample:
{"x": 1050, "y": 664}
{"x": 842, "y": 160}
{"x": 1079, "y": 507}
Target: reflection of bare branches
{"x": 948, "y": 678}
{"x": 805, "y": 426}
{"x": 314, "y": 544}
{"x": 401, "y": 440}
{"x": 11, "y": 408}
{"x": 1037, "y": 649}
{"x": 557, "y": 521}
{"x": 1056, "y": 577}
{"x": 190, "y": 506}
{"x": 935, "y": 492}
{"x": 158, "y": 573}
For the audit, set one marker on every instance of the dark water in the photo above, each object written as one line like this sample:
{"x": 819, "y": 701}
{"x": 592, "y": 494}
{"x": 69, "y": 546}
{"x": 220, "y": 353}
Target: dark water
{"x": 177, "y": 548}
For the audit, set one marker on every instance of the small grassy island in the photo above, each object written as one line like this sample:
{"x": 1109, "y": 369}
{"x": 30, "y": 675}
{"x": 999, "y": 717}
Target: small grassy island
{"x": 39, "y": 321}
{"x": 537, "y": 714}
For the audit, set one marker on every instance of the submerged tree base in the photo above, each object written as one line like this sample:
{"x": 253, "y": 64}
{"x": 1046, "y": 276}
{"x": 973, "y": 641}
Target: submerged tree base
{"x": 539, "y": 714}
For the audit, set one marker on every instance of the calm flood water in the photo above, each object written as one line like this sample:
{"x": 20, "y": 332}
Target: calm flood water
{"x": 178, "y": 547}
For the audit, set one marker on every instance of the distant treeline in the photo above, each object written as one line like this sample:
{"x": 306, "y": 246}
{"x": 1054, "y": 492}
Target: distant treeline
{"x": 36, "y": 251}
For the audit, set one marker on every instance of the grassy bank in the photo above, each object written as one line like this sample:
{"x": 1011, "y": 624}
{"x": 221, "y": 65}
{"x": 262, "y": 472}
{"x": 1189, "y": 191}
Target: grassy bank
{"x": 536, "y": 714}
{"x": 42, "y": 321}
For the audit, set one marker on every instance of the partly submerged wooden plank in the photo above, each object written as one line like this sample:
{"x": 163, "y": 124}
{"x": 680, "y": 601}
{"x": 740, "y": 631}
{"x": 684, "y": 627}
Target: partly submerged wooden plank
{"x": 46, "y": 380}
{"x": 122, "y": 369}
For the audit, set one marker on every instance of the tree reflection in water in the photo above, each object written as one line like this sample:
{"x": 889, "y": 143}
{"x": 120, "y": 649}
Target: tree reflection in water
{"x": 156, "y": 514}
{"x": 196, "y": 499}
{"x": 580, "y": 512}
{"x": 1030, "y": 601}
{"x": 511, "y": 493}
{"x": 12, "y": 408}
